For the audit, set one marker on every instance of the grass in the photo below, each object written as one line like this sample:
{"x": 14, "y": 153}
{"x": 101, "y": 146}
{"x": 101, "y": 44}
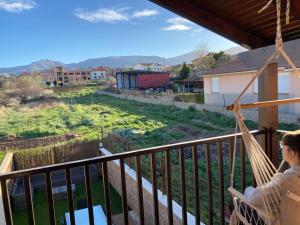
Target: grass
{"x": 84, "y": 112}
{"x": 2, "y": 154}
{"x": 191, "y": 97}
{"x": 61, "y": 206}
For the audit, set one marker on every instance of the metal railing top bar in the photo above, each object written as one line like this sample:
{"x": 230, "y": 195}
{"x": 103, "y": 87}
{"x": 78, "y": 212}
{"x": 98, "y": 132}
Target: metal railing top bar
{"x": 281, "y": 131}
{"x": 123, "y": 155}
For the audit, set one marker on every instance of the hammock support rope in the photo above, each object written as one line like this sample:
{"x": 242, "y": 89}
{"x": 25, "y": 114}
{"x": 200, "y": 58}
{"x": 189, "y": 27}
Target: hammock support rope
{"x": 262, "y": 167}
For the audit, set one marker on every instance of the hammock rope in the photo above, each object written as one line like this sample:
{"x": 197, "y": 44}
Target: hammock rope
{"x": 262, "y": 167}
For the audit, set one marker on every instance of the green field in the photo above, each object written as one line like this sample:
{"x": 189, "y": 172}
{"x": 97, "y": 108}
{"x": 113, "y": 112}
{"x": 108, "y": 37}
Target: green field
{"x": 84, "y": 112}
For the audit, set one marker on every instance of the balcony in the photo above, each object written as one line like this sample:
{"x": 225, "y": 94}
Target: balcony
{"x": 202, "y": 197}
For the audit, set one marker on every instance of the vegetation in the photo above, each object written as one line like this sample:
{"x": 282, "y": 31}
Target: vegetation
{"x": 40, "y": 204}
{"x": 1, "y": 156}
{"x": 184, "y": 71}
{"x": 190, "y": 97}
{"x": 22, "y": 90}
{"x": 83, "y": 112}
{"x": 211, "y": 60}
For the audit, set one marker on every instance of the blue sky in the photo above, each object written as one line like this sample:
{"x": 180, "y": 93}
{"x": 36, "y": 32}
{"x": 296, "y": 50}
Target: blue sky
{"x": 75, "y": 30}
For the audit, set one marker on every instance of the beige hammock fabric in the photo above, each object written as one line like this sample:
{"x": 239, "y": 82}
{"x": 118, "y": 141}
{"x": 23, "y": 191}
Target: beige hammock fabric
{"x": 263, "y": 169}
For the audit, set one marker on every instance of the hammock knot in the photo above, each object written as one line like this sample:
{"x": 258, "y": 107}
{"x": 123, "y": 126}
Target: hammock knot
{"x": 234, "y": 219}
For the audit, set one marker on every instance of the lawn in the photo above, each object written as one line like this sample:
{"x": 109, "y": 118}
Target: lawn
{"x": 61, "y": 206}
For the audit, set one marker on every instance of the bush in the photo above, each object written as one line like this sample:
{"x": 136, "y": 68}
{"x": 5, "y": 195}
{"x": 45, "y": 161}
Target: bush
{"x": 22, "y": 90}
{"x": 190, "y": 97}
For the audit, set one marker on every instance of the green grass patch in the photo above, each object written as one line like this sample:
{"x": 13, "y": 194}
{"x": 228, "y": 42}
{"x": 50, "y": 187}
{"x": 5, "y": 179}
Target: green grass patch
{"x": 191, "y": 97}
{"x": 61, "y": 207}
{"x": 2, "y": 154}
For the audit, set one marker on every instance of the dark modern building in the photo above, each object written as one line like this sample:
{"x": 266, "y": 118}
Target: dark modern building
{"x": 142, "y": 80}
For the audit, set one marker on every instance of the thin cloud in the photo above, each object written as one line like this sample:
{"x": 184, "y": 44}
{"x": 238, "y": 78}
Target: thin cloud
{"x": 178, "y": 20}
{"x": 16, "y": 6}
{"x": 144, "y": 13}
{"x": 177, "y": 27}
{"x": 102, "y": 15}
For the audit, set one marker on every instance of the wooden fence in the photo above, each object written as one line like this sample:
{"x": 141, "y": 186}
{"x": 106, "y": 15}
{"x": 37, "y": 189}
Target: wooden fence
{"x": 26, "y": 159}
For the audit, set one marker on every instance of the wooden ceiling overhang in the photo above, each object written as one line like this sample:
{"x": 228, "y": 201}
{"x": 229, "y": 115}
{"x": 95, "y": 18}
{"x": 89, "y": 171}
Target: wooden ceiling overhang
{"x": 238, "y": 20}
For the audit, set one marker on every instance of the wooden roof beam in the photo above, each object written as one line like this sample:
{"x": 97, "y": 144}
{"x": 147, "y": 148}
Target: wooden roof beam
{"x": 194, "y": 12}
{"x": 296, "y": 9}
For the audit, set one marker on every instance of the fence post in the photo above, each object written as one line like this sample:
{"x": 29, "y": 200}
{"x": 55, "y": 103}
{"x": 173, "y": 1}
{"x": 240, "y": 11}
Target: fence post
{"x": 163, "y": 176}
{"x": 109, "y": 142}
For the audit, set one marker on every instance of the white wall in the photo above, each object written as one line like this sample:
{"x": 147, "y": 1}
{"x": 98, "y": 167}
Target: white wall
{"x": 97, "y": 75}
{"x": 231, "y": 85}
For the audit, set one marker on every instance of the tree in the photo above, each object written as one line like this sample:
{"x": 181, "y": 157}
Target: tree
{"x": 221, "y": 58}
{"x": 184, "y": 72}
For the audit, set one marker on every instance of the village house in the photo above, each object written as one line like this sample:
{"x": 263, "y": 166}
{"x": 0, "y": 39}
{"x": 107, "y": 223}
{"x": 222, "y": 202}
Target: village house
{"x": 141, "y": 80}
{"x": 101, "y": 72}
{"x": 149, "y": 67}
{"x": 224, "y": 83}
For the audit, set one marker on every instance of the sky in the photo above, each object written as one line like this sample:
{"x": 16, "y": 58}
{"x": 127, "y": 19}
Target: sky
{"x": 74, "y": 30}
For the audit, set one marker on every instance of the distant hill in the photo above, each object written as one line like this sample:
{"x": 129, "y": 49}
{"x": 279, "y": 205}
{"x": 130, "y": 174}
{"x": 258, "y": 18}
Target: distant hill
{"x": 117, "y": 61}
{"x": 113, "y": 61}
{"x": 34, "y": 66}
{"x": 235, "y": 50}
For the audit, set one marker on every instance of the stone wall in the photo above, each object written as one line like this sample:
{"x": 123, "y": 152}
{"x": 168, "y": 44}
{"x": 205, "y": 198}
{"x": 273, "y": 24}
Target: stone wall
{"x": 132, "y": 194}
{"x": 5, "y": 167}
{"x": 248, "y": 114}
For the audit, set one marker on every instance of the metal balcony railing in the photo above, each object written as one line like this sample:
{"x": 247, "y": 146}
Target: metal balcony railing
{"x": 195, "y": 147}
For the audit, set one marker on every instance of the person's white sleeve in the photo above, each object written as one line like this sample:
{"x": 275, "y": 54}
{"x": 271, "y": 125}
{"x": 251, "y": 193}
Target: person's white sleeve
{"x": 255, "y": 195}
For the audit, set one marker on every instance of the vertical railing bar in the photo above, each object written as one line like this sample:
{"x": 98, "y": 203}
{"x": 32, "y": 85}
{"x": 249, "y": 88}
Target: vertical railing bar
{"x": 196, "y": 184}
{"x": 140, "y": 189}
{"x": 6, "y": 203}
{"x": 70, "y": 196}
{"x": 29, "y": 204}
{"x": 154, "y": 189}
{"x": 169, "y": 189}
{"x": 243, "y": 167}
{"x": 231, "y": 149}
{"x": 89, "y": 193}
{"x": 182, "y": 186}
{"x": 106, "y": 193}
{"x": 209, "y": 185}
{"x": 221, "y": 181}
{"x": 124, "y": 192}
{"x": 50, "y": 198}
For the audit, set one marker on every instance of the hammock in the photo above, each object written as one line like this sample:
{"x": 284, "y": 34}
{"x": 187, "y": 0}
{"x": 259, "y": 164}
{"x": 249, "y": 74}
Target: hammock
{"x": 263, "y": 169}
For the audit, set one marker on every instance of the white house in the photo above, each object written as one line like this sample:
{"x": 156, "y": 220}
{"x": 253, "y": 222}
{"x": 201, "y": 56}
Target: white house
{"x": 149, "y": 67}
{"x": 99, "y": 73}
{"x": 223, "y": 84}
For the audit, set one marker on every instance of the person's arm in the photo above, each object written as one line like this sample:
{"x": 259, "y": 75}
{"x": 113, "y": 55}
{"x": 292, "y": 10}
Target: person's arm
{"x": 255, "y": 196}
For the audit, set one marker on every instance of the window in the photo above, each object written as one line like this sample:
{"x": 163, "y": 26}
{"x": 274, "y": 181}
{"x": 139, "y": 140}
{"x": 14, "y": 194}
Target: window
{"x": 215, "y": 86}
{"x": 283, "y": 84}
{"x": 255, "y": 86}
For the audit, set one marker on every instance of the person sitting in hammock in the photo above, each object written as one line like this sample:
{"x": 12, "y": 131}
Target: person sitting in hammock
{"x": 286, "y": 184}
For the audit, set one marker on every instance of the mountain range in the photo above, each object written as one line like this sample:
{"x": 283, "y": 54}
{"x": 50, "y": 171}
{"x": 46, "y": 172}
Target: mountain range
{"x": 112, "y": 61}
